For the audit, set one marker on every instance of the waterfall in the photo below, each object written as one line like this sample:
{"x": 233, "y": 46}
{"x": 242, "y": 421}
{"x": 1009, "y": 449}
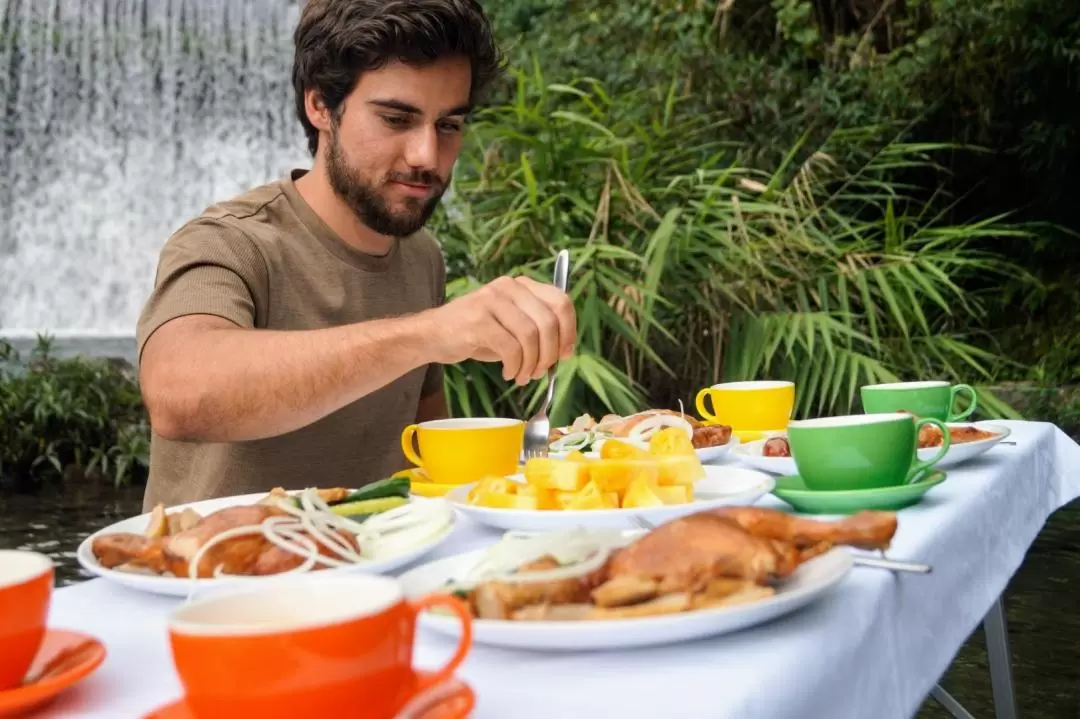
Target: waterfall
{"x": 122, "y": 119}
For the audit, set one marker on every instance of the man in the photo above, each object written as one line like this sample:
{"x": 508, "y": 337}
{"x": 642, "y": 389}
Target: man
{"x": 294, "y": 331}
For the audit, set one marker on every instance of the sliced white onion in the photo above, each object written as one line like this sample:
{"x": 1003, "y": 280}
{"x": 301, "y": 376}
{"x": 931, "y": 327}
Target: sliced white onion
{"x": 572, "y": 441}
{"x": 313, "y": 523}
{"x": 578, "y": 551}
{"x": 645, "y": 429}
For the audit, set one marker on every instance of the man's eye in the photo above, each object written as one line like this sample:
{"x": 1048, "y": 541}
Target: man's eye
{"x": 395, "y": 120}
{"x": 449, "y": 128}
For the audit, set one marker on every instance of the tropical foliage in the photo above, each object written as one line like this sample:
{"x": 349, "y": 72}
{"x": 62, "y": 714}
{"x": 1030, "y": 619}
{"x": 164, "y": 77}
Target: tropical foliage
{"x": 690, "y": 268}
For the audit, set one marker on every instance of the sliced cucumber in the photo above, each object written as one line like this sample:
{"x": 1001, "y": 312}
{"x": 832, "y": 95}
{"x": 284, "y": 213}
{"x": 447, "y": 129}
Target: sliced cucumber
{"x": 368, "y": 506}
{"x": 390, "y": 487}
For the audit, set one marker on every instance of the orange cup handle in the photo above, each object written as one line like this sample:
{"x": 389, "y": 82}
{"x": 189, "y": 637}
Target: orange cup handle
{"x": 407, "y": 435}
{"x": 699, "y": 402}
{"x": 464, "y": 643}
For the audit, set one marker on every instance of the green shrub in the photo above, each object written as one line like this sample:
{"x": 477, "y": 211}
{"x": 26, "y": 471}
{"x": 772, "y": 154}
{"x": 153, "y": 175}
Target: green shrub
{"x": 68, "y": 418}
{"x": 690, "y": 268}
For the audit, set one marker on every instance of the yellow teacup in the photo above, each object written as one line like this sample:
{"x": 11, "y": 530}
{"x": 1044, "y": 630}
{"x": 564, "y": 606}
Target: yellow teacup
{"x": 748, "y": 407}
{"x": 459, "y": 451}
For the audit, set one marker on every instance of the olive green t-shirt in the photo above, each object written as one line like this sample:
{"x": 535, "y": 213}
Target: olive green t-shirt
{"x": 266, "y": 260}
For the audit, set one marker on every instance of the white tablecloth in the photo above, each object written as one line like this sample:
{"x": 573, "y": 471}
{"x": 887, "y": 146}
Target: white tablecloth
{"x": 874, "y": 647}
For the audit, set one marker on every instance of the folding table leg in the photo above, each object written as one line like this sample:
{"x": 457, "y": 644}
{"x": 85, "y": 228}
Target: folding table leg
{"x": 997, "y": 652}
{"x": 949, "y": 704}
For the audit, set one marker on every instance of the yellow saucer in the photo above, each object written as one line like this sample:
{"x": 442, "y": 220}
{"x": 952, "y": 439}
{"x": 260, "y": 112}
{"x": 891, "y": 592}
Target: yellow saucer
{"x": 420, "y": 484}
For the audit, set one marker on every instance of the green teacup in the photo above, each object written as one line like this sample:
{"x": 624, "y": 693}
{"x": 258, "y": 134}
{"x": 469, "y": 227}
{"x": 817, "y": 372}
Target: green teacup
{"x": 923, "y": 399}
{"x": 861, "y": 451}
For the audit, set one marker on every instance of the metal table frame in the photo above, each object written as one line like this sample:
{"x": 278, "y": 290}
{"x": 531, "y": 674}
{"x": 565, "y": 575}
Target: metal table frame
{"x": 996, "y": 629}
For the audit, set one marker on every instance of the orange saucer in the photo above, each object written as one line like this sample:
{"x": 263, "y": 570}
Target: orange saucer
{"x": 456, "y": 705}
{"x": 64, "y": 659}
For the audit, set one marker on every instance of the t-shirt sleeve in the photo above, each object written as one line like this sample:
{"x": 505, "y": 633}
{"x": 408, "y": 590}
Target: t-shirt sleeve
{"x": 205, "y": 268}
{"x": 433, "y": 379}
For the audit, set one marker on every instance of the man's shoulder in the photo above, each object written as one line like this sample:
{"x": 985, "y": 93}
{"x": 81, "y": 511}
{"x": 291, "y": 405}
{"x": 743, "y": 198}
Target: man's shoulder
{"x": 247, "y": 209}
{"x": 242, "y": 219}
{"x": 424, "y": 244}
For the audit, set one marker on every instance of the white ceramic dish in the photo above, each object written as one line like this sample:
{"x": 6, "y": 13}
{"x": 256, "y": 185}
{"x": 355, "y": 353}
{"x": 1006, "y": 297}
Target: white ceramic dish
{"x": 705, "y": 455}
{"x": 750, "y": 453}
{"x": 960, "y": 453}
{"x": 722, "y": 486}
{"x": 806, "y": 584}
{"x": 181, "y": 587}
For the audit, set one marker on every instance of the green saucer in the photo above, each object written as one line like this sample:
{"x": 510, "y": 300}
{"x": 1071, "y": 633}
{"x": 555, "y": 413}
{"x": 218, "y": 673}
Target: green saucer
{"x": 792, "y": 490}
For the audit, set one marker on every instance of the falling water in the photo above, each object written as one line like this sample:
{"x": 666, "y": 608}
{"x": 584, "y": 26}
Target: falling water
{"x": 120, "y": 120}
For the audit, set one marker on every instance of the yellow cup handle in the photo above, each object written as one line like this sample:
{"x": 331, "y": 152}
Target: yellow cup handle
{"x": 407, "y": 445}
{"x": 699, "y": 401}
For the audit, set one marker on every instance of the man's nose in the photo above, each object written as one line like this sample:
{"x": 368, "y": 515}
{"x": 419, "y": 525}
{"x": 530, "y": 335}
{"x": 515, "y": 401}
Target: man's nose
{"x": 422, "y": 150}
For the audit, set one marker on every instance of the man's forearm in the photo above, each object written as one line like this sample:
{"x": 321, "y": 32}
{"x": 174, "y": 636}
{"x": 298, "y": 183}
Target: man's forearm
{"x": 227, "y": 384}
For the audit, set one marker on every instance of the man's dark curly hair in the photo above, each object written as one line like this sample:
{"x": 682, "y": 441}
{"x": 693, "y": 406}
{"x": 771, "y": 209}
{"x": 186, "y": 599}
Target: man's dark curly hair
{"x": 338, "y": 40}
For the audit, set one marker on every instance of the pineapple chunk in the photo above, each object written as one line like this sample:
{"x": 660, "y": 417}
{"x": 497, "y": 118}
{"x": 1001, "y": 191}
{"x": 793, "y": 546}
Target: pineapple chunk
{"x": 616, "y": 475}
{"x": 678, "y": 494}
{"x": 502, "y": 500}
{"x": 564, "y": 476}
{"x": 588, "y": 498}
{"x": 671, "y": 441}
{"x": 617, "y": 449}
{"x": 611, "y": 500}
{"x": 641, "y": 494}
{"x": 680, "y": 469}
{"x": 547, "y": 499}
{"x": 576, "y": 456}
{"x": 538, "y": 469}
{"x": 498, "y": 485}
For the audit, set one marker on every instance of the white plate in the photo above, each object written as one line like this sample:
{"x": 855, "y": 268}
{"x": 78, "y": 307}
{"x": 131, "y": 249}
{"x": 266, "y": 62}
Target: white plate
{"x": 722, "y": 486}
{"x": 806, "y": 584}
{"x": 705, "y": 454}
{"x": 960, "y": 453}
{"x": 182, "y": 587}
{"x": 750, "y": 453}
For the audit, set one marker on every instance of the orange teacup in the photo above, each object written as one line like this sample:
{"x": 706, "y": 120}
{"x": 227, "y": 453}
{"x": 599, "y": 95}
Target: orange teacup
{"x": 26, "y": 582}
{"x": 312, "y": 646}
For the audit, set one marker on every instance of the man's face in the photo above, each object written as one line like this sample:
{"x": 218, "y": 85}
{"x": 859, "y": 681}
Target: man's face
{"x": 392, "y": 149}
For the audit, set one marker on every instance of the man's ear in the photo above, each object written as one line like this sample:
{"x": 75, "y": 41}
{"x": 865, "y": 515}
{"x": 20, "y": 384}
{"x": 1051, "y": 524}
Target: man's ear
{"x": 318, "y": 113}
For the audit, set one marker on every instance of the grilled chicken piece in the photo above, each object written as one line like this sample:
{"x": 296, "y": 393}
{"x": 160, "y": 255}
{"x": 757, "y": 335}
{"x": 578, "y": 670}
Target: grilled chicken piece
{"x": 749, "y": 543}
{"x": 715, "y": 436}
{"x": 686, "y": 553}
{"x": 115, "y": 550}
{"x": 250, "y": 554}
{"x": 866, "y": 530}
{"x": 499, "y": 600}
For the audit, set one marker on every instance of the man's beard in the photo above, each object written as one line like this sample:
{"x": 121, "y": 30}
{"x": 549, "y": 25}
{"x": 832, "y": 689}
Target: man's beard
{"x": 364, "y": 199}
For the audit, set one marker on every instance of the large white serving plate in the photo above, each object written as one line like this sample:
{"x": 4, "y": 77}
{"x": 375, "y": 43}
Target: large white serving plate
{"x": 705, "y": 454}
{"x": 806, "y": 584}
{"x": 182, "y": 587}
{"x": 722, "y": 486}
{"x": 750, "y": 453}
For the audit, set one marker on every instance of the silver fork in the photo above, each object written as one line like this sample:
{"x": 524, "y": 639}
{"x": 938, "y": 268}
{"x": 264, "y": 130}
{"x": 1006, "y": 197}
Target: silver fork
{"x": 857, "y": 559}
{"x": 538, "y": 428}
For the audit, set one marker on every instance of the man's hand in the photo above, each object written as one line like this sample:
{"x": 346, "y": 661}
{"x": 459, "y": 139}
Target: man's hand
{"x": 525, "y": 324}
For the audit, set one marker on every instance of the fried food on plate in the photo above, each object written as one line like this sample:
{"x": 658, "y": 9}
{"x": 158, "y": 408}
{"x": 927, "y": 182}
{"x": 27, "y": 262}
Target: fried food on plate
{"x": 585, "y": 432}
{"x": 715, "y": 558}
{"x": 281, "y": 532}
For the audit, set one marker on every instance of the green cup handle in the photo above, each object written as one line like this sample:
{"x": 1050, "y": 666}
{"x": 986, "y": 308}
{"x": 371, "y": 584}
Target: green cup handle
{"x": 957, "y": 389}
{"x": 919, "y": 467}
